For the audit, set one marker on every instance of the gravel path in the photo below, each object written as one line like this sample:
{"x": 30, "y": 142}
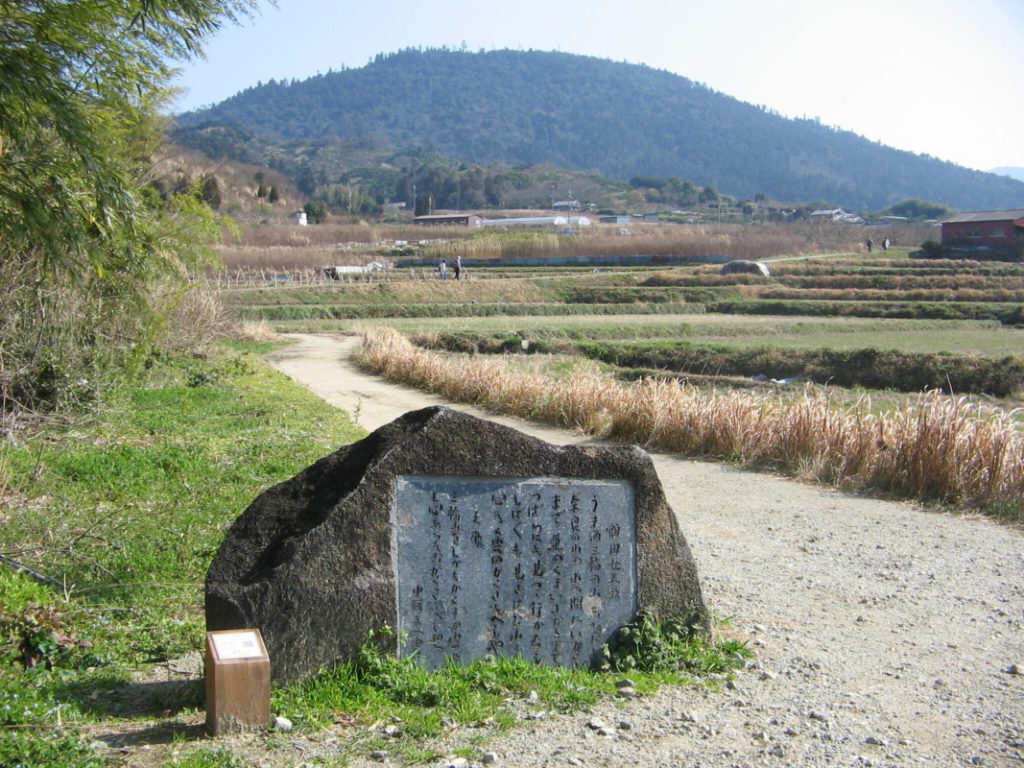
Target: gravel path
{"x": 885, "y": 635}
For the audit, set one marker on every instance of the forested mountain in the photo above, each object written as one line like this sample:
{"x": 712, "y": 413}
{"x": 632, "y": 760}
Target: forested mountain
{"x": 1008, "y": 170}
{"x": 616, "y": 119}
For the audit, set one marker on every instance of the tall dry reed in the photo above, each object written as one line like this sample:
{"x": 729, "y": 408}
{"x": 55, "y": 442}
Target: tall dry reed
{"x": 940, "y": 449}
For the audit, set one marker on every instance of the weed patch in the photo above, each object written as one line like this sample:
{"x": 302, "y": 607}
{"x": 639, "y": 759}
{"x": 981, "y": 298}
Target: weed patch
{"x": 492, "y": 694}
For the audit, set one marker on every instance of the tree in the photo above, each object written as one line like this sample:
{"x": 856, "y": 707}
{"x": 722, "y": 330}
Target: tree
{"x": 708, "y": 195}
{"x": 82, "y": 245}
{"x": 915, "y": 208}
{"x": 424, "y": 204}
{"x": 210, "y": 192}
{"x": 647, "y": 182}
{"x": 274, "y": 195}
{"x": 316, "y": 211}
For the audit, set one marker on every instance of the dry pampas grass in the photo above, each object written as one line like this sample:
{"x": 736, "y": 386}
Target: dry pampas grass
{"x": 941, "y": 449}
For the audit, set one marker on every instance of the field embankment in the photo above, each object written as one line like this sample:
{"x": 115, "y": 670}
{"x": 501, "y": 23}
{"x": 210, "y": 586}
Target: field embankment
{"x": 869, "y": 368}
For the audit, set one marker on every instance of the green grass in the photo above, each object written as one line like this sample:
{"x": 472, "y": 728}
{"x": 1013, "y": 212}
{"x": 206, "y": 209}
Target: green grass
{"x": 491, "y": 694}
{"x": 123, "y": 512}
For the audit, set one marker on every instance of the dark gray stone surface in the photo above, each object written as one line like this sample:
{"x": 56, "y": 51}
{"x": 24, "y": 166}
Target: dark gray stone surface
{"x": 316, "y": 562}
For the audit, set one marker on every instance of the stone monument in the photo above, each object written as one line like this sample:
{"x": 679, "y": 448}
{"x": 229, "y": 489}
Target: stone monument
{"x": 467, "y": 537}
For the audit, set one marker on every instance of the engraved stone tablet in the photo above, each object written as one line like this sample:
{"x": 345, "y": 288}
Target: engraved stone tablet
{"x": 543, "y": 567}
{"x": 467, "y": 537}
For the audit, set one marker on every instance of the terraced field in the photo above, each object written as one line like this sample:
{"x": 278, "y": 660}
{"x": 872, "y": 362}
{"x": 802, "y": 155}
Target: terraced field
{"x": 891, "y": 323}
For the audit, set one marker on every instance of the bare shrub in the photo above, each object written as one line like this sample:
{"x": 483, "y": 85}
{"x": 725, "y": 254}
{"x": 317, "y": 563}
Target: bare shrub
{"x": 940, "y": 449}
{"x": 253, "y": 330}
{"x": 197, "y": 319}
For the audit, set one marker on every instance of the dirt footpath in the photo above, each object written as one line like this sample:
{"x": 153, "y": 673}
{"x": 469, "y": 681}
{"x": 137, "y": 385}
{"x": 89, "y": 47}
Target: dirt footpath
{"x": 885, "y": 635}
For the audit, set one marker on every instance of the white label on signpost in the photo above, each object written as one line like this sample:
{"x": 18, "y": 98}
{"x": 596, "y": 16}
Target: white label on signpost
{"x": 237, "y": 645}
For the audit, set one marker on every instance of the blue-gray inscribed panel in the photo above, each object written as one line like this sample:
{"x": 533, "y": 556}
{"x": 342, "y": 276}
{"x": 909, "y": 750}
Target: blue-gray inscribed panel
{"x": 545, "y": 567}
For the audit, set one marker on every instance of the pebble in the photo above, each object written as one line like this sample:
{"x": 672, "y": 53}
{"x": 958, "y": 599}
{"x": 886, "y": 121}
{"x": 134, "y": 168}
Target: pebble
{"x": 391, "y": 730}
{"x": 489, "y": 758}
{"x": 625, "y": 683}
{"x": 626, "y": 692}
{"x": 596, "y": 724}
{"x": 458, "y": 762}
{"x": 1015, "y": 669}
{"x": 380, "y": 755}
{"x": 283, "y": 724}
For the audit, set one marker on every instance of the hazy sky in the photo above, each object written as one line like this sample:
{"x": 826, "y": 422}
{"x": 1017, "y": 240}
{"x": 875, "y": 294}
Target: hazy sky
{"x": 941, "y": 77}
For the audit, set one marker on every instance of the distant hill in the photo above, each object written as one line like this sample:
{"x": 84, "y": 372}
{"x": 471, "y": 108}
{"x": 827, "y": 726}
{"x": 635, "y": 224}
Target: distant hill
{"x": 1014, "y": 172}
{"x": 615, "y": 119}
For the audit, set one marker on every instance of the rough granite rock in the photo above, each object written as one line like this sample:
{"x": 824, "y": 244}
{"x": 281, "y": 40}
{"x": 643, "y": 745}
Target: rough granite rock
{"x": 311, "y": 561}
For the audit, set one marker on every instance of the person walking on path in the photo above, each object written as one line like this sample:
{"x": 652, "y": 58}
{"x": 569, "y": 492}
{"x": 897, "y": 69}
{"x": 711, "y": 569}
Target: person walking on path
{"x": 458, "y": 267}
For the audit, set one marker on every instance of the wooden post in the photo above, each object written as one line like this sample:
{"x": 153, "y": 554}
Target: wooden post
{"x": 237, "y": 682}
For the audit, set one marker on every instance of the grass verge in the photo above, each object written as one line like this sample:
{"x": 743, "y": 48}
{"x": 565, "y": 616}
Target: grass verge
{"x": 119, "y": 514}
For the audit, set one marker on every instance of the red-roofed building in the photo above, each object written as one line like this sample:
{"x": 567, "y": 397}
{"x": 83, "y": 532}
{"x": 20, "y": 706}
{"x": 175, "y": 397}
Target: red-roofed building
{"x": 984, "y": 229}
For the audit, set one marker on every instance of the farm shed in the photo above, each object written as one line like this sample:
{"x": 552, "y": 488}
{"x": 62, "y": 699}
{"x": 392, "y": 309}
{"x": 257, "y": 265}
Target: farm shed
{"x": 835, "y": 214}
{"x": 984, "y": 229}
{"x": 450, "y": 220}
{"x": 528, "y": 221}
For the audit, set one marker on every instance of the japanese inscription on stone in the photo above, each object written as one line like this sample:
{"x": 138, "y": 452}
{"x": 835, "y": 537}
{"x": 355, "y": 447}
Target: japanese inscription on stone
{"x": 545, "y": 567}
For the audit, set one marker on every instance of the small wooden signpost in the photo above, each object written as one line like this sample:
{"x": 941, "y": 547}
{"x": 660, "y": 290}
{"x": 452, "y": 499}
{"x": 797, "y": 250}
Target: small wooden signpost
{"x": 237, "y": 682}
